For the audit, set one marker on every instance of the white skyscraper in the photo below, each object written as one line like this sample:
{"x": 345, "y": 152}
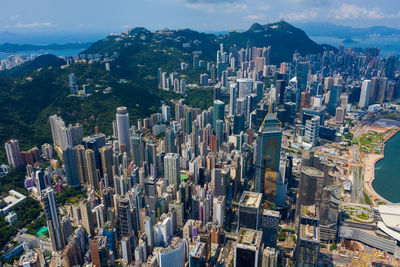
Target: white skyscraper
{"x": 365, "y": 92}
{"x": 63, "y": 136}
{"x": 166, "y": 113}
{"x": 219, "y": 210}
{"x": 123, "y": 128}
{"x": 312, "y": 131}
{"x": 13, "y": 153}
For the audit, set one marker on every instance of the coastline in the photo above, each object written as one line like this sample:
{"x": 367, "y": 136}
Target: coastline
{"x": 369, "y": 175}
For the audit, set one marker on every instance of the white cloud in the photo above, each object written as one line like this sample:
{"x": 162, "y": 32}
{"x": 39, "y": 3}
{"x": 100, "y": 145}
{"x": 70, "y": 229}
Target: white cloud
{"x": 255, "y": 17}
{"x": 222, "y": 7}
{"x": 349, "y": 11}
{"x": 20, "y": 25}
{"x": 301, "y": 15}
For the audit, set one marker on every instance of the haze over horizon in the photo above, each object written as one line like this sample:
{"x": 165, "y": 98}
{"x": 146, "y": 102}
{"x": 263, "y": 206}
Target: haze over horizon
{"x": 204, "y": 15}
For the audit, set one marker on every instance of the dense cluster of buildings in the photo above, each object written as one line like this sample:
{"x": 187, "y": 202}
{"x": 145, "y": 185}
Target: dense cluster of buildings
{"x": 215, "y": 188}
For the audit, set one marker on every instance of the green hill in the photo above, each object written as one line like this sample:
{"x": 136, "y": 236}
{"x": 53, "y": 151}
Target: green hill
{"x": 26, "y": 104}
{"x": 43, "y": 61}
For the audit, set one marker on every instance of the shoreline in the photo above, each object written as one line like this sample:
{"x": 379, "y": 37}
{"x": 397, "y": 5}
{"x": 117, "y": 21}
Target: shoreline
{"x": 369, "y": 166}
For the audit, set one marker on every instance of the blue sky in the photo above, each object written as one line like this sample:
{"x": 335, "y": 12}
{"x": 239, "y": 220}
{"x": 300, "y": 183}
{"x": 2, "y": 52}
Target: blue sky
{"x": 205, "y": 15}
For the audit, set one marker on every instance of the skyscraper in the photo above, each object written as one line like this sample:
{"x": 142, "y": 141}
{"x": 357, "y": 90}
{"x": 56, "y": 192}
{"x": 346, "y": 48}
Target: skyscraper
{"x": 312, "y": 130}
{"x": 81, "y": 161}
{"x": 87, "y": 219}
{"x": 106, "y": 154}
{"x": 365, "y": 94}
{"x": 248, "y": 248}
{"x": 218, "y": 113}
{"x": 333, "y": 100}
{"x": 172, "y": 168}
{"x": 232, "y": 99}
{"x": 91, "y": 168}
{"x": 98, "y": 251}
{"x": 250, "y": 210}
{"x": 123, "y": 129}
{"x": 13, "y": 153}
{"x": 268, "y": 153}
{"x": 71, "y": 167}
{"x": 53, "y": 219}
{"x": 188, "y": 121}
{"x": 125, "y": 218}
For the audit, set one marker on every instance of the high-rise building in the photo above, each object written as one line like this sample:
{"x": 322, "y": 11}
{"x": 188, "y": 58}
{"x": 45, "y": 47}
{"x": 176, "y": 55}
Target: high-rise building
{"x": 126, "y": 250}
{"x": 269, "y": 227}
{"x": 91, "y": 168}
{"x": 188, "y": 120}
{"x": 218, "y": 114}
{"x": 204, "y": 79}
{"x": 63, "y": 136}
{"x": 172, "y": 168}
{"x": 365, "y": 94}
{"x": 244, "y": 87}
{"x": 174, "y": 255}
{"x": 250, "y": 210}
{"x": 13, "y": 153}
{"x": 98, "y": 251}
{"x": 71, "y": 167}
{"x": 232, "y": 99}
{"x": 170, "y": 138}
{"x": 333, "y": 100}
{"x": 122, "y": 119}
{"x": 87, "y": 219}
{"x": 219, "y": 210}
{"x": 339, "y": 116}
{"x": 106, "y": 155}
{"x": 312, "y": 130}
{"x": 268, "y": 157}
{"x": 53, "y": 219}
{"x": 166, "y": 113}
{"x": 197, "y": 256}
{"x": 248, "y": 248}
{"x": 125, "y": 218}
{"x": 269, "y": 257}
{"x": 81, "y": 161}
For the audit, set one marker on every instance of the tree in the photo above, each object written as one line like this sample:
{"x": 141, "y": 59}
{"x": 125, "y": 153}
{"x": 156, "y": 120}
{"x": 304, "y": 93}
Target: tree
{"x": 333, "y": 246}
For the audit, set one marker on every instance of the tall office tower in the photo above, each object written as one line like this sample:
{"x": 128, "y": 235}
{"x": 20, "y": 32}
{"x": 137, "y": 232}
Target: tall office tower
{"x": 304, "y": 101}
{"x": 390, "y": 67}
{"x": 159, "y": 76}
{"x": 378, "y": 89}
{"x": 126, "y": 250}
{"x": 220, "y": 180}
{"x": 340, "y": 114}
{"x": 91, "y": 168}
{"x": 312, "y": 130}
{"x": 333, "y": 100}
{"x": 269, "y": 227}
{"x": 328, "y": 83}
{"x": 308, "y": 238}
{"x": 250, "y": 210}
{"x": 166, "y": 113}
{"x": 224, "y": 79}
{"x": 268, "y": 156}
{"x": 218, "y": 113}
{"x": 170, "y": 137}
{"x": 302, "y": 75}
{"x": 259, "y": 88}
{"x": 270, "y": 257}
{"x": 219, "y": 210}
{"x": 248, "y": 248}
{"x": 176, "y": 85}
{"x": 123, "y": 129}
{"x": 196, "y": 60}
{"x": 172, "y": 168}
{"x": 365, "y": 93}
{"x": 219, "y": 132}
{"x": 53, "y": 219}
{"x": 148, "y": 229}
{"x": 174, "y": 255}
{"x": 125, "y": 218}
{"x": 81, "y": 161}
{"x": 87, "y": 218}
{"x": 391, "y": 91}
{"x": 244, "y": 87}
{"x": 232, "y": 99}
{"x": 182, "y": 86}
{"x": 310, "y": 186}
{"x": 71, "y": 167}
{"x": 106, "y": 155}
{"x": 188, "y": 121}
{"x": 329, "y": 212}
{"x": 98, "y": 251}
{"x": 13, "y": 153}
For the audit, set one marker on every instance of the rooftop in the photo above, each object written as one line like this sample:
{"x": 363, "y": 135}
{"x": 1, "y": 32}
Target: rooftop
{"x": 310, "y": 171}
{"x": 309, "y": 232}
{"x": 198, "y": 250}
{"x": 272, "y": 213}
{"x": 251, "y": 199}
{"x": 249, "y": 237}
{"x": 309, "y": 211}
